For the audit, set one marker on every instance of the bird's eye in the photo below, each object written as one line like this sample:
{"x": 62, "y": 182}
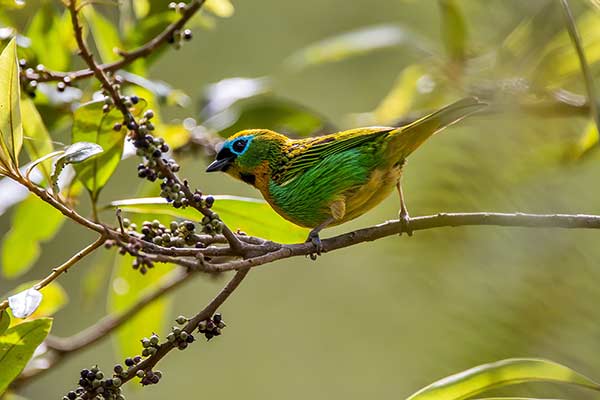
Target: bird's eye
{"x": 239, "y": 145}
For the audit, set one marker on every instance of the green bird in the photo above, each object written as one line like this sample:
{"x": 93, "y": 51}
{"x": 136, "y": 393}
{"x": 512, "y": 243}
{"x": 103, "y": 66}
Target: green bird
{"x": 327, "y": 180}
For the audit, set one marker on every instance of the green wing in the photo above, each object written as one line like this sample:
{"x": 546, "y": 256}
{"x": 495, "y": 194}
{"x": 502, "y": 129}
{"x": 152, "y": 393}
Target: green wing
{"x": 304, "y": 154}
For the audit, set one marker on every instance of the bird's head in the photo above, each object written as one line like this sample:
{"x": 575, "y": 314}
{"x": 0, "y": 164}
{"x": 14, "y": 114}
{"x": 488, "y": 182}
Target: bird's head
{"x": 249, "y": 155}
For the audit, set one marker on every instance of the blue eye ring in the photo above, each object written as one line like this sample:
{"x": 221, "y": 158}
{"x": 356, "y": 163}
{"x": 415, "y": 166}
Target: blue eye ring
{"x": 239, "y": 145}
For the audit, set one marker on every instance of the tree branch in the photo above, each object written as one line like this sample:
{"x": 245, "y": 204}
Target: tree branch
{"x": 128, "y": 57}
{"x": 278, "y": 251}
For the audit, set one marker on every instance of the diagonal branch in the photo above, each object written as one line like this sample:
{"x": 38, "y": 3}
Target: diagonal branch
{"x": 63, "y": 268}
{"x": 192, "y": 324}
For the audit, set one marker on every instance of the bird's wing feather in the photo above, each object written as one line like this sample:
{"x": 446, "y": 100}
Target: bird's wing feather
{"x": 304, "y": 154}
{"x": 406, "y": 139}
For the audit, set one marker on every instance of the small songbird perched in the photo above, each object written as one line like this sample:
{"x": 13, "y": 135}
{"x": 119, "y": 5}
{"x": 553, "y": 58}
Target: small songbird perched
{"x": 327, "y": 180}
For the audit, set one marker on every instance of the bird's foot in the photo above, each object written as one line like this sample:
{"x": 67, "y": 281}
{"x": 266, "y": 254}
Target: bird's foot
{"x": 405, "y": 223}
{"x": 313, "y": 237}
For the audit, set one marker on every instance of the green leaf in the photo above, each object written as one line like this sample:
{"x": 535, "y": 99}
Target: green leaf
{"x": 33, "y": 222}
{"x": 220, "y": 8}
{"x": 127, "y": 286}
{"x": 11, "y": 129}
{"x": 13, "y": 396}
{"x": 17, "y": 345}
{"x": 590, "y": 85}
{"x": 37, "y": 140}
{"x": 454, "y": 30}
{"x": 269, "y": 112}
{"x": 523, "y": 46}
{"x": 585, "y": 142}
{"x": 141, "y": 8}
{"x": 501, "y": 373}
{"x": 95, "y": 278}
{"x": 252, "y": 216}
{"x": 76, "y": 153}
{"x": 4, "y": 321}
{"x": 559, "y": 62}
{"x": 92, "y": 125}
{"x": 80, "y": 152}
{"x": 400, "y": 99}
{"x": 105, "y": 33}
{"x": 55, "y": 298}
{"x": 47, "y": 39}
{"x": 351, "y": 44}
{"x": 511, "y": 398}
{"x": 12, "y": 3}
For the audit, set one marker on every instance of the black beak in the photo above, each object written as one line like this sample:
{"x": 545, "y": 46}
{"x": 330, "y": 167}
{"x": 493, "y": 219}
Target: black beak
{"x": 224, "y": 159}
{"x": 220, "y": 165}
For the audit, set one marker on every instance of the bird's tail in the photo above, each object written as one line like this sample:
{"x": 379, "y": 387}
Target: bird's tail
{"x": 407, "y": 139}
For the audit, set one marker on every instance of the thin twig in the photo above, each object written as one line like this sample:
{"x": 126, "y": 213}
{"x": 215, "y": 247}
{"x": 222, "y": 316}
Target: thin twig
{"x": 62, "y": 347}
{"x": 56, "y": 272}
{"x": 585, "y": 68}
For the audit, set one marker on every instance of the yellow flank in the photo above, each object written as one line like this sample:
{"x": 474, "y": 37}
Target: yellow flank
{"x": 380, "y": 184}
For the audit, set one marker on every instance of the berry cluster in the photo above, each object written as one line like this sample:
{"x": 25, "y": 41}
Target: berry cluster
{"x": 212, "y": 225}
{"x": 178, "y": 7}
{"x": 93, "y": 385}
{"x": 180, "y": 338}
{"x": 30, "y": 85}
{"x": 150, "y": 345}
{"x": 178, "y": 36}
{"x": 152, "y": 150}
{"x": 212, "y": 327}
{"x": 149, "y": 377}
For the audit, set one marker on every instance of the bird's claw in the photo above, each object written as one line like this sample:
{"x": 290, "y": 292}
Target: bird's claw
{"x": 316, "y": 241}
{"x": 405, "y": 223}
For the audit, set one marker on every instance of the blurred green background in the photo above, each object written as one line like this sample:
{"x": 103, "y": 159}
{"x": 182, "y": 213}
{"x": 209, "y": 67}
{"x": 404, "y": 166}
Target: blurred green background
{"x": 379, "y": 319}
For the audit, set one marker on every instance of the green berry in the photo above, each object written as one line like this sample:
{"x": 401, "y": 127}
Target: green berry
{"x": 140, "y": 373}
{"x": 181, "y": 320}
